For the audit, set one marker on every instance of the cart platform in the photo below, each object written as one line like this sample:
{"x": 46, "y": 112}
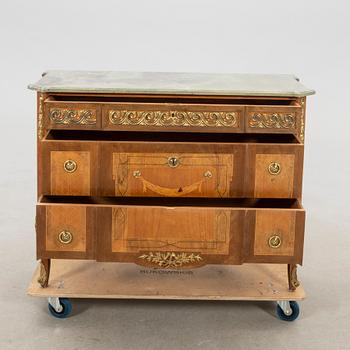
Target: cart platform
{"x": 90, "y": 279}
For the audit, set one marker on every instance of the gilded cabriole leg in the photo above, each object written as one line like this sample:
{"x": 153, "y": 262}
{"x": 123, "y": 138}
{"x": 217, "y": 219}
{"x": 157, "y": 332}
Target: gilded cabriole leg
{"x": 44, "y": 272}
{"x": 292, "y": 277}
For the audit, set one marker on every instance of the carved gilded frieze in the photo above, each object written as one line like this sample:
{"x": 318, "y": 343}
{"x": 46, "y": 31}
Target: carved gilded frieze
{"x": 41, "y": 117}
{"x": 173, "y": 118}
{"x": 171, "y": 260}
{"x": 302, "y": 120}
{"x": 72, "y": 116}
{"x": 272, "y": 120}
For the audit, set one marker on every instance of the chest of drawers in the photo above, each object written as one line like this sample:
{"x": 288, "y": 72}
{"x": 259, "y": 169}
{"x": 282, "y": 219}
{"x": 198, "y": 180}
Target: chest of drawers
{"x": 170, "y": 170}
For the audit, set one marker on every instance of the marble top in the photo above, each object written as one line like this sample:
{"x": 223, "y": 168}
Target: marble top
{"x": 171, "y": 83}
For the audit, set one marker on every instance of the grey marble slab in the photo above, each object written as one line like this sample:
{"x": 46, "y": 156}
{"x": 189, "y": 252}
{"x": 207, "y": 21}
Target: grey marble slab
{"x": 171, "y": 83}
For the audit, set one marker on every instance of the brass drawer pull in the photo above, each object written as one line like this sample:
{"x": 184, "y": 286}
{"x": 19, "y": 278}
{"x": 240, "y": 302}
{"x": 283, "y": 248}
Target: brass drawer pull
{"x": 137, "y": 173}
{"x": 208, "y": 174}
{"x": 65, "y": 237}
{"x": 173, "y": 162}
{"x": 275, "y": 241}
{"x": 274, "y": 168}
{"x": 70, "y": 166}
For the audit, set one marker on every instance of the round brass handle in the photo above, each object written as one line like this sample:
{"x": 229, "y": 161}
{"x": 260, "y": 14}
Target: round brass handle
{"x": 173, "y": 162}
{"x": 274, "y": 168}
{"x": 65, "y": 237}
{"x": 275, "y": 241}
{"x": 70, "y": 166}
{"x": 208, "y": 174}
{"x": 137, "y": 173}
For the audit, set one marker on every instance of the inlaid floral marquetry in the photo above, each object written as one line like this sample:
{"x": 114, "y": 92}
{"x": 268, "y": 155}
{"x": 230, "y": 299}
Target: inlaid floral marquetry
{"x": 73, "y": 116}
{"x": 173, "y": 118}
{"x": 173, "y": 175}
{"x": 272, "y": 120}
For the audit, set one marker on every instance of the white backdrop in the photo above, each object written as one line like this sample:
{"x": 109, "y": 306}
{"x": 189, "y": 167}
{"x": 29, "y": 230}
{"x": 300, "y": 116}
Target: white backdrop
{"x": 307, "y": 38}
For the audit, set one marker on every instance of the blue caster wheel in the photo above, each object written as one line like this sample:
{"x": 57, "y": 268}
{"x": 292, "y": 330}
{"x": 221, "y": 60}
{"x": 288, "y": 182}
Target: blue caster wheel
{"x": 290, "y": 316}
{"x": 60, "y": 307}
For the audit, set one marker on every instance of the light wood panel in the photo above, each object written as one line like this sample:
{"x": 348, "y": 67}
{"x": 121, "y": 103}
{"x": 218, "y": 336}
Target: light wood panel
{"x": 142, "y": 169}
{"x": 274, "y": 222}
{"x": 66, "y": 218}
{"x": 79, "y": 220}
{"x": 285, "y": 184}
{"x": 75, "y": 183}
{"x": 151, "y": 174}
{"x": 269, "y": 185}
{"x": 54, "y": 180}
{"x": 136, "y": 229}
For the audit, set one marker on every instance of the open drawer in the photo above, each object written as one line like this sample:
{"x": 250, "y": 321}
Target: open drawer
{"x": 172, "y": 233}
{"x": 275, "y": 119}
{"x": 175, "y": 113}
{"x": 70, "y": 114}
{"x": 172, "y": 169}
{"x": 173, "y": 165}
{"x": 173, "y": 117}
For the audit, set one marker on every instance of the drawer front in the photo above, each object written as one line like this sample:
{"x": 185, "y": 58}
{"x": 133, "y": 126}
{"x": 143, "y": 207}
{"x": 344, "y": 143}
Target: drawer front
{"x": 275, "y": 235}
{"x": 72, "y": 115}
{"x": 65, "y": 231}
{"x": 274, "y": 119}
{"x": 159, "y": 236}
{"x": 173, "y": 117}
{"x": 172, "y": 175}
{"x": 168, "y": 170}
{"x": 275, "y": 171}
{"x": 170, "y": 237}
{"x": 68, "y": 168}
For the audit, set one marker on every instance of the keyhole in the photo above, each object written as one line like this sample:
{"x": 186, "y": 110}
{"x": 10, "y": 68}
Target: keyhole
{"x": 173, "y": 162}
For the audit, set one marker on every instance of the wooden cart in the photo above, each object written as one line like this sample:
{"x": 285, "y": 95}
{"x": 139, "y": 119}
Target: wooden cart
{"x": 88, "y": 279}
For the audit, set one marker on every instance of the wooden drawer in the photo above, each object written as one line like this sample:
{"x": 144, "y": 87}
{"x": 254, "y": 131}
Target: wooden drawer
{"x": 274, "y": 171}
{"x": 68, "y": 168}
{"x": 231, "y": 170}
{"x": 173, "y": 117}
{"x": 182, "y": 233}
{"x": 71, "y": 115}
{"x": 275, "y": 119}
{"x": 148, "y": 235}
{"x": 274, "y": 235}
{"x": 172, "y": 170}
{"x": 228, "y": 235}
{"x": 65, "y": 231}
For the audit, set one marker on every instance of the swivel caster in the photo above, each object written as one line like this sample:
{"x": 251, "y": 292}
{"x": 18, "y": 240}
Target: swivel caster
{"x": 287, "y": 310}
{"x": 59, "y": 307}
